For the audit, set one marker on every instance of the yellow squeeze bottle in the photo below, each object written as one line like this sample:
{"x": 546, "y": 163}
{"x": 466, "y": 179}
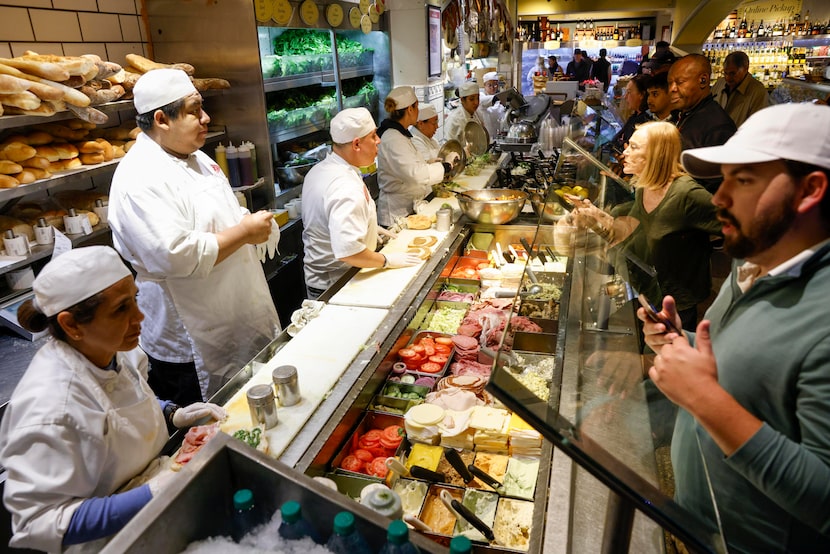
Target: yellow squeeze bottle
{"x": 222, "y": 159}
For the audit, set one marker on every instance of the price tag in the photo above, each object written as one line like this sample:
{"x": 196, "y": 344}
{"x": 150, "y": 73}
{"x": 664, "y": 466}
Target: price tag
{"x": 334, "y": 15}
{"x": 281, "y": 12}
{"x": 364, "y": 6}
{"x": 86, "y": 226}
{"x": 263, "y": 10}
{"x": 309, "y": 12}
{"x": 365, "y": 24}
{"x": 354, "y": 17}
{"x": 374, "y": 16}
{"x": 62, "y": 244}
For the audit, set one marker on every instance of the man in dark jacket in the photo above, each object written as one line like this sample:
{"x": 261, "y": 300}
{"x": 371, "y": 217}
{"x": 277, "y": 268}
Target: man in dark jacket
{"x": 580, "y": 68}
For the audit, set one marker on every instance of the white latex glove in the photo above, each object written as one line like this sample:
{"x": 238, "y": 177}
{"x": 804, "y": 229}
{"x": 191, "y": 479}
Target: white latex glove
{"x": 261, "y": 251}
{"x": 401, "y": 259}
{"x": 184, "y": 417}
{"x": 273, "y": 240}
{"x": 387, "y": 233}
{"x": 161, "y": 481}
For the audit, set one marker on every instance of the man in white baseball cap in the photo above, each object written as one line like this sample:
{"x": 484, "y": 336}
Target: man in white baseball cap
{"x": 340, "y": 226}
{"x": 752, "y": 381}
{"x": 465, "y": 113}
{"x": 175, "y": 219}
{"x": 423, "y": 132}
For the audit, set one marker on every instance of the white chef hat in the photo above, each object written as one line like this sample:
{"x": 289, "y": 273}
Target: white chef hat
{"x": 160, "y": 87}
{"x": 467, "y": 89}
{"x": 350, "y": 124}
{"x": 426, "y": 111}
{"x": 490, "y": 76}
{"x": 75, "y": 276}
{"x": 402, "y": 96}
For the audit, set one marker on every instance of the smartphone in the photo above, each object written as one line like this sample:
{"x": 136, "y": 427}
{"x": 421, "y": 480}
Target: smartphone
{"x": 653, "y": 315}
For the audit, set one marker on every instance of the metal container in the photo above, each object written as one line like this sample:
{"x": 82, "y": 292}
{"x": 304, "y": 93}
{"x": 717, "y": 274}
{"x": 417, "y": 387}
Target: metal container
{"x": 286, "y": 385}
{"x": 496, "y": 206}
{"x": 292, "y": 175}
{"x": 549, "y": 211}
{"x": 262, "y": 405}
{"x": 199, "y": 505}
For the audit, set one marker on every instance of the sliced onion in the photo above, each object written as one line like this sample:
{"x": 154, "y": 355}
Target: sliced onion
{"x": 398, "y": 367}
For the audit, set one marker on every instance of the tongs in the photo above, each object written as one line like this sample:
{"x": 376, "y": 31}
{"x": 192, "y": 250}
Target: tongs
{"x": 462, "y": 512}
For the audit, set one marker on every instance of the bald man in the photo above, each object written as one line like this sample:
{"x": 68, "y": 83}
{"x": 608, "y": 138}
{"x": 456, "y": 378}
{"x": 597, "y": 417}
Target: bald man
{"x": 701, "y": 121}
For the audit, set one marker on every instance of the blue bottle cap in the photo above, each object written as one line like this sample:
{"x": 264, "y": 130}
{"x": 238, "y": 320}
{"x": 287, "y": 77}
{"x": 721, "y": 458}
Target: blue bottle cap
{"x": 243, "y": 499}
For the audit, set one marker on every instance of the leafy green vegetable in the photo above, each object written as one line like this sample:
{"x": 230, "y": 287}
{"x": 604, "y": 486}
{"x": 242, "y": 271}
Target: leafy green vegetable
{"x": 252, "y": 437}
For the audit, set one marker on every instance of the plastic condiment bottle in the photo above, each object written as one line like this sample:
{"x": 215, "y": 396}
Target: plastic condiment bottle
{"x": 385, "y": 501}
{"x": 294, "y": 526}
{"x": 232, "y": 155}
{"x": 346, "y": 539}
{"x": 246, "y": 171}
{"x": 460, "y": 545}
{"x": 245, "y": 514}
{"x": 252, "y": 148}
{"x": 221, "y": 159}
{"x": 397, "y": 540}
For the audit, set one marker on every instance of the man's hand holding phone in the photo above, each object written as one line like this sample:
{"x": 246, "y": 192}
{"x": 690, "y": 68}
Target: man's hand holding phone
{"x": 659, "y": 328}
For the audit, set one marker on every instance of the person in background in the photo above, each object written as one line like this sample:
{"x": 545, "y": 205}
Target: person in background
{"x": 404, "y": 177}
{"x": 659, "y": 101}
{"x": 553, "y": 68}
{"x": 423, "y": 132}
{"x": 662, "y": 58}
{"x": 82, "y": 421}
{"x": 738, "y": 92}
{"x": 459, "y": 117}
{"x": 636, "y": 99}
{"x": 175, "y": 219}
{"x": 490, "y": 111}
{"x": 701, "y": 120}
{"x": 752, "y": 381}
{"x": 601, "y": 69}
{"x": 340, "y": 228}
{"x": 539, "y": 69}
{"x": 579, "y": 69}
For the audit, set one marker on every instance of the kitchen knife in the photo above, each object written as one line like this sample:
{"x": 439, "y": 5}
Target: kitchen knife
{"x": 454, "y": 458}
{"x": 486, "y": 478}
{"x": 420, "y": 472}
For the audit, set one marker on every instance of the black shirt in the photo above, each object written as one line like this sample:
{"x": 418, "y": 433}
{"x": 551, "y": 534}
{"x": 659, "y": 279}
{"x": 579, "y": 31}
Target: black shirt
{"x": 581, "y": 71}
{"x": 705, "y": 124}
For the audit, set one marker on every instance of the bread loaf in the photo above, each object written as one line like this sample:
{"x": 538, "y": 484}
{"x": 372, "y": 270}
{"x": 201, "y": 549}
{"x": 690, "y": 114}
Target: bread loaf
{"x": 78, "y": 199}
{"x": 108, "y": 151}
{"x": 40, "y": 68}
{"x": 19, "y": 227}
{"x": 38, "y": 162}
{"x": 64, "y": 165}
{"x": 210, "y": 84}
{"x": 8, "y": 182}
{"x": 66, "y": 151}
{"x": 39, "y": 173}
{"x": 24, "y": 100}
{"x": 47, "y": 152}
{"x": 25, "y": 177}
{"x": 92, "y": 159}
{"x": 89, "y": 147}
{"x": 10, "y": 168}
{"x": 118, "y": 151}
{"x": 63, "y": 131}
{"x": 16, "y": 151}
{"x": 12, "y": 85}
{"x": 143, "y": 64}
{"x": 46, "y": 109}
{"x": 74, "y": 65}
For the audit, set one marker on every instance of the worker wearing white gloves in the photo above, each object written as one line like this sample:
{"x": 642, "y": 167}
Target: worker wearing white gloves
{"x": 340, "y": 227}
{"x": 423, "y": 132}
{"x": 461, "y": 116}
{"x": 404, "y": 177}
{"x": 175, "y": 219}
{"x": 490, "y": 111}
{"x": 82, "y": 421}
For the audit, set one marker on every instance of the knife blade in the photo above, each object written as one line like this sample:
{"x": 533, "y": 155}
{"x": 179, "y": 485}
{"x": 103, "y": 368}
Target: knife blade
{"x": 420, "y": 472}
{"x": 486, "y": 477}
{"x": 454, "y": 458}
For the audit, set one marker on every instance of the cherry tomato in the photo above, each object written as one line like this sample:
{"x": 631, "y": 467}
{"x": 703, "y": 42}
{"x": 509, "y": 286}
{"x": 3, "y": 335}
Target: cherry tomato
{"x": 378, "y": 467}
{"x": 351, "y": 463}
{"x": 363, "y": 455}
{"x": 431, "y": 367}
{"x": 446, "y": 341}
{"x": 438, "y": 359}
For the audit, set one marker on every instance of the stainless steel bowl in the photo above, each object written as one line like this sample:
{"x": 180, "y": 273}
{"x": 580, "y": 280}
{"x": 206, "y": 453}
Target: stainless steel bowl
{"x": 292, "y": 175}
{"x": 550, "y": 212}
{"x": 496, "y": 206}
{"x": 522, "y": 131}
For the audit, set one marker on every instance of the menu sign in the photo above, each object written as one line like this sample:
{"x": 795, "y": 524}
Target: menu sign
{"x": 769, "y": 10}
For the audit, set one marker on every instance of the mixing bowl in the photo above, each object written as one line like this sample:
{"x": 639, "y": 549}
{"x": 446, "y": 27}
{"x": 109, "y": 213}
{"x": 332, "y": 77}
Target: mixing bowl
{"x": 549, "y": 212}
{"x": 496, "y": 206}
{"x": 292, "y": 175}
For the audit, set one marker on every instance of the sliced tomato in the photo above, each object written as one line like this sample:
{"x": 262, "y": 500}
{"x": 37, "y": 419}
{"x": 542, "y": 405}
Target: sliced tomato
{"x": 394, "y": 433}
{"x": 351, "y": 463}
{"x": 413, "y": 363}
{"x": 446, "y": 341}
{"x": 373, "y": 435}
{"x": 389, "y": 445}
{"x": 439, "y": 359}
{"x": 379, "y": 450}
{"x": 363, "y": 455}
{"x": 378, "y": 467}
{"x": 483, "y": 265}
{"x": 407, "y": 353}
{"x": 443, "y": 349}
{"x": 431, "y": 367}
{"x": 419, "y": 348}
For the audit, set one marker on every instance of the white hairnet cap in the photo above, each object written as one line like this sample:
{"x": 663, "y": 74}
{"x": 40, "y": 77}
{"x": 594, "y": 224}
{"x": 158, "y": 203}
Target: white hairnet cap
{"x": 403, "y": 96}
{"x": 490, "y": 76}
{"x": 467, "y": 89}
{"x": 160, "y": 87}
{"x": 426, "y": 111}
{"x": 350, "y": 124}
{"x": 75, "y": 276}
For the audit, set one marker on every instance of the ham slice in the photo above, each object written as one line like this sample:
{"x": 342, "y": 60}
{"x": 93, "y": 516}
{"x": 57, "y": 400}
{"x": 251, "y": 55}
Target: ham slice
{"x": 194, "y": 440}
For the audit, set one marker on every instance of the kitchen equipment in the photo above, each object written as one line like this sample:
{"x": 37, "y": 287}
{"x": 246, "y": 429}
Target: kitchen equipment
{"x": 462, "y": 512}
{"x": 293, "y": 175}
{"x": 551, "y": 211}
{"x": 496, "y": 206}
{"x": 454, "y": 458}
{"x": 262, "y": 406}
{"x": 486, "y": 478}
{"x": 476, "y": 137}
{"x": 427, "y": 474}
{"x": 286, "y": 385}
{"x": 458, "y": 165}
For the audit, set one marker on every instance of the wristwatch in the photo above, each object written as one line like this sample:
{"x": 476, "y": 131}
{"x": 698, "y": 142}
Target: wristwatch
{"x": 168, "y": 412}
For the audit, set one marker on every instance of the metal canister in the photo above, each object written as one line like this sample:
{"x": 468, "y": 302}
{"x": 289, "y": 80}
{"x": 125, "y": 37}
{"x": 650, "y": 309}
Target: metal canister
{"x": 286, "y": 385}
{"x": 443, "y": 220}
{"x": 262, "y": 405}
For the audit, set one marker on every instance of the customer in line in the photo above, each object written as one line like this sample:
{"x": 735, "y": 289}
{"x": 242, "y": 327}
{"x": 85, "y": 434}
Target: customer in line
{"x": 82, "y": 421}
{"x": 601, "y": 69}
{"x": 738, "y": 92}
{"x": 659, "y": 102}
{"x": 753, "y": 382}
{"x": 175, "y": 219}
{"x": 579, "y": 69}
{"x": 340, "y": 228}
{"x": 636, "y": 101}
{"x": 404, "y": 177}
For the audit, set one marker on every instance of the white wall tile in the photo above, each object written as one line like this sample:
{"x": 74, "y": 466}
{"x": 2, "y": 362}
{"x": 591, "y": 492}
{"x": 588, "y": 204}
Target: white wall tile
{"x": 79, "y": 5}
{"x": 100, "y": 27}
{"x": 81, "y": 48}
{"x": 20, "y": 48}
{"x": 130, "y": 28}
{"x": 117, "y": 6}
{"x": 55, "y": 25}
{"x": 15, "y": 24}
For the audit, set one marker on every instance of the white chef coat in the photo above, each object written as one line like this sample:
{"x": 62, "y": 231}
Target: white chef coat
{"x": 339, "y": 220}
{"x": 456, "y": 122}
{"x": 428, "y": 147}
{"x": 490, "y": 113}
{"x": 163, "y": 212}
{"x": 73, "y": 431}
{"x": 403, "y": 176}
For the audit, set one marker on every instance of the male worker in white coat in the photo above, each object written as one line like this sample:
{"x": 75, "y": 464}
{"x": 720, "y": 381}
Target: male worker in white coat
{"x": 340, "y": 223}
{"x": 459, "y": 117}
{"x": 175, "y": 219}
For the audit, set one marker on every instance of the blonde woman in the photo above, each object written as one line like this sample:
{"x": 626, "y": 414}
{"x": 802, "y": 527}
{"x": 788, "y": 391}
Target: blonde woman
{"x": 668, "y": 225}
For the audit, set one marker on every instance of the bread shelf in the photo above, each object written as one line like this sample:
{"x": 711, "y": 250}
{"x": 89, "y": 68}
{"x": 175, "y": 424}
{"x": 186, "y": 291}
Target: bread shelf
{"x": 40, "y": 252}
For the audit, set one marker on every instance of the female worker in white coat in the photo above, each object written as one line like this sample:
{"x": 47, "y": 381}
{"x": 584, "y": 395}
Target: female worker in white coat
{"x": 82, "y": 421}
{"x": 461, "y": 116}
{"x": 423, "y": 132}
{"x": 403, "y": 175}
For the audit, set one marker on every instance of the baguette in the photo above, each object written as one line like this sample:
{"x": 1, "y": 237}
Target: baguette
{"x": 8, "y": 182}
{"x": 210, "y": 84}
{"x": 38, "y": 162}
{"x": 9, "y": 168}
{"x": 45, "y": 69}
{"x": 74, "y": 65}
{"x": 74, "y": 81}
{"x": 144, "y": 64}
{"x": 70, "y": 95}
{"x": 24, "y": 100}
{"x": 89, "y": 115}
{"x": 16, "y": 151}
{"x": 46, "y": 109}
{"x": 11, "y": 85}
{"x": 186, "y": 67}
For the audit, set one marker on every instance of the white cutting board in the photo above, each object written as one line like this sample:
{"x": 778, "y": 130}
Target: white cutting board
{"x": 380, "y": 288}
{"x": 321, "y": 352}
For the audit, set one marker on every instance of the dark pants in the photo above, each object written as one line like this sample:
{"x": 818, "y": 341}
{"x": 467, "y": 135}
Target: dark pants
{"x": 174, "y": 381}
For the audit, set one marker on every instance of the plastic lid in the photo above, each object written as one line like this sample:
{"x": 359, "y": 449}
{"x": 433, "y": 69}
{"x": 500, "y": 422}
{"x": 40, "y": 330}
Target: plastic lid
{"x": 243, "y": 499}
{"x": 344, "y": 523}
{"x": 291, "y": 511}
{"x": 460, "y": 545}
{"x": 397, "y": 532}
